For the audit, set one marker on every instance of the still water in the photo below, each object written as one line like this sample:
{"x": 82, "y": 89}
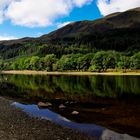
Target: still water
{"x": 108, "y": 106}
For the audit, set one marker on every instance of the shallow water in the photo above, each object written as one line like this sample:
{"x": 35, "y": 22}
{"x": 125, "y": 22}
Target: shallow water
{"x": 108, "y": 106}
{"x": 98, "y": 132}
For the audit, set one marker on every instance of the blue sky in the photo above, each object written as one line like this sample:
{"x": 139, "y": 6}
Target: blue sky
{"x": 87, "y": 12}
{"x": 34, "y": 18}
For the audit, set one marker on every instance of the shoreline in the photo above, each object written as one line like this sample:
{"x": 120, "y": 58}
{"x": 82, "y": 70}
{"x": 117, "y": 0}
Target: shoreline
{"x": 16, "y": 124}
{"x": 30, "y": 72}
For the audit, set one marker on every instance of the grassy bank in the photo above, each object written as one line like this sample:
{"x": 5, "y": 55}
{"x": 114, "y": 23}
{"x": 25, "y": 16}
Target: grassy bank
{"x": 30, "y": 72}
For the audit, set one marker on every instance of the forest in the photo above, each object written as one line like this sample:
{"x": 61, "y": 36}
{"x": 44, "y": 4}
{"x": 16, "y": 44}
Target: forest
{"x": 100, "y": 61}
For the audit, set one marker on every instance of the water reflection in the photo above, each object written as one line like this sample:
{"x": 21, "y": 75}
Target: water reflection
{"x": 111, "y": 101}
{"x": 72, "y": 86}
{"x": 100, "y": 133}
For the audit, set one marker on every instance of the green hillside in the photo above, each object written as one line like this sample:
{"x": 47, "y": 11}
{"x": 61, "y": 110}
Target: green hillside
{"x": 118, "y": 33}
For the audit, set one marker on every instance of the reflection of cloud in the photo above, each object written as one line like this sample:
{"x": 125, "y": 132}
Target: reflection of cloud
{"x": 63, "y": 118}
{"x": 110, "y": 135}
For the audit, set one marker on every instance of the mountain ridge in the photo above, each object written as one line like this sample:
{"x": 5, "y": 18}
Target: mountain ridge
{"x": 109, "y": 33}
{"x": 113, "y": 21}
{"x": 108, "y": 17}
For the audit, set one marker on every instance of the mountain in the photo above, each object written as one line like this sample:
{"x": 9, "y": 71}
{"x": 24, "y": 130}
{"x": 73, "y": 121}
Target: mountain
{"x": 118, "y": 31}
{"x": 128, "y": 19}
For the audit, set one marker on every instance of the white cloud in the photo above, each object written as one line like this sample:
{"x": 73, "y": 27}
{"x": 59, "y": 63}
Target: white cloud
{"x": 34, "y": 13}
{"x": 80, "y": 3}
{"x": 107, "y": 7}
{"x": 3, "y": 4}
{"x": 60, "y": 25}
{"x": 7, "y": 37}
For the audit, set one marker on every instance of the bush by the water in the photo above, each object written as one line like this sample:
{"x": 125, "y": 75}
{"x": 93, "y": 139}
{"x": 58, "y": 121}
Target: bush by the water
{"x": 100, "y": 61}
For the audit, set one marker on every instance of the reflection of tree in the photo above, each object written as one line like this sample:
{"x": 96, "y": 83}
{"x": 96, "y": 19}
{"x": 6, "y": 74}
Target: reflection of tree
{"x": 103, "y": 86}
{"x": 128, "y": 85}
{"x": 70, "y": 87}
{"x": 73, "y": 84}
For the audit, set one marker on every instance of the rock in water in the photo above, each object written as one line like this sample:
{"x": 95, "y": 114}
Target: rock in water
{"x": 62, "y": 106}
{"x": 75, "y": 113}
{"x": 44, "y": 105}
{"x": 67, "y": 102}
{"x": 48, "y": 104}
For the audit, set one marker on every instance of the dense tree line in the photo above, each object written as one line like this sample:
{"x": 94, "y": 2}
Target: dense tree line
{"x": 100, "y": 61}
{"x": 121, "y": 40}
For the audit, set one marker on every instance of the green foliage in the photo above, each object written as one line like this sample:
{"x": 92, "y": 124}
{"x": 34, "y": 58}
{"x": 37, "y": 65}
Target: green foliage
{"x": 111, "y": 59}
{"x": 2, "y": 65}
{"x": 93, "y": 68}
{"x": 67, "y": 62}
{"x": 117, "y": 40}
{"x": 84, "y": 61}
{"x": 48, "y": 62}
{"x": 99, "y": 62}
{"x": 124, "y": 62}
{"x": 135, "y": 61}
{"x": 34, "y": 63}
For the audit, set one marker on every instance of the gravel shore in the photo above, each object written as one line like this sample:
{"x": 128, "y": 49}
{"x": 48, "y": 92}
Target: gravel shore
{"x": 17, "y": 125}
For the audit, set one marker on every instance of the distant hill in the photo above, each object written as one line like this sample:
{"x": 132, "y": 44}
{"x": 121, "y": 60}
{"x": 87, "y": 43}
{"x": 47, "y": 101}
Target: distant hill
{"x": 128, "y": 19}
{"x": 118, "y": 31}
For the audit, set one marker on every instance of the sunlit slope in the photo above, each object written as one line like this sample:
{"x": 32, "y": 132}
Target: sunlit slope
{"x": 118, "y": 31}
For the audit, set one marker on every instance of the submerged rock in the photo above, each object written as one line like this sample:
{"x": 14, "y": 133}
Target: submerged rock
{"x": 48, "y": 104}
{"x": 75, "y": 113}
{"x": 62, "y": 106}
{"x": 44, "y": 105}
{"x": 67, "y": 102}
